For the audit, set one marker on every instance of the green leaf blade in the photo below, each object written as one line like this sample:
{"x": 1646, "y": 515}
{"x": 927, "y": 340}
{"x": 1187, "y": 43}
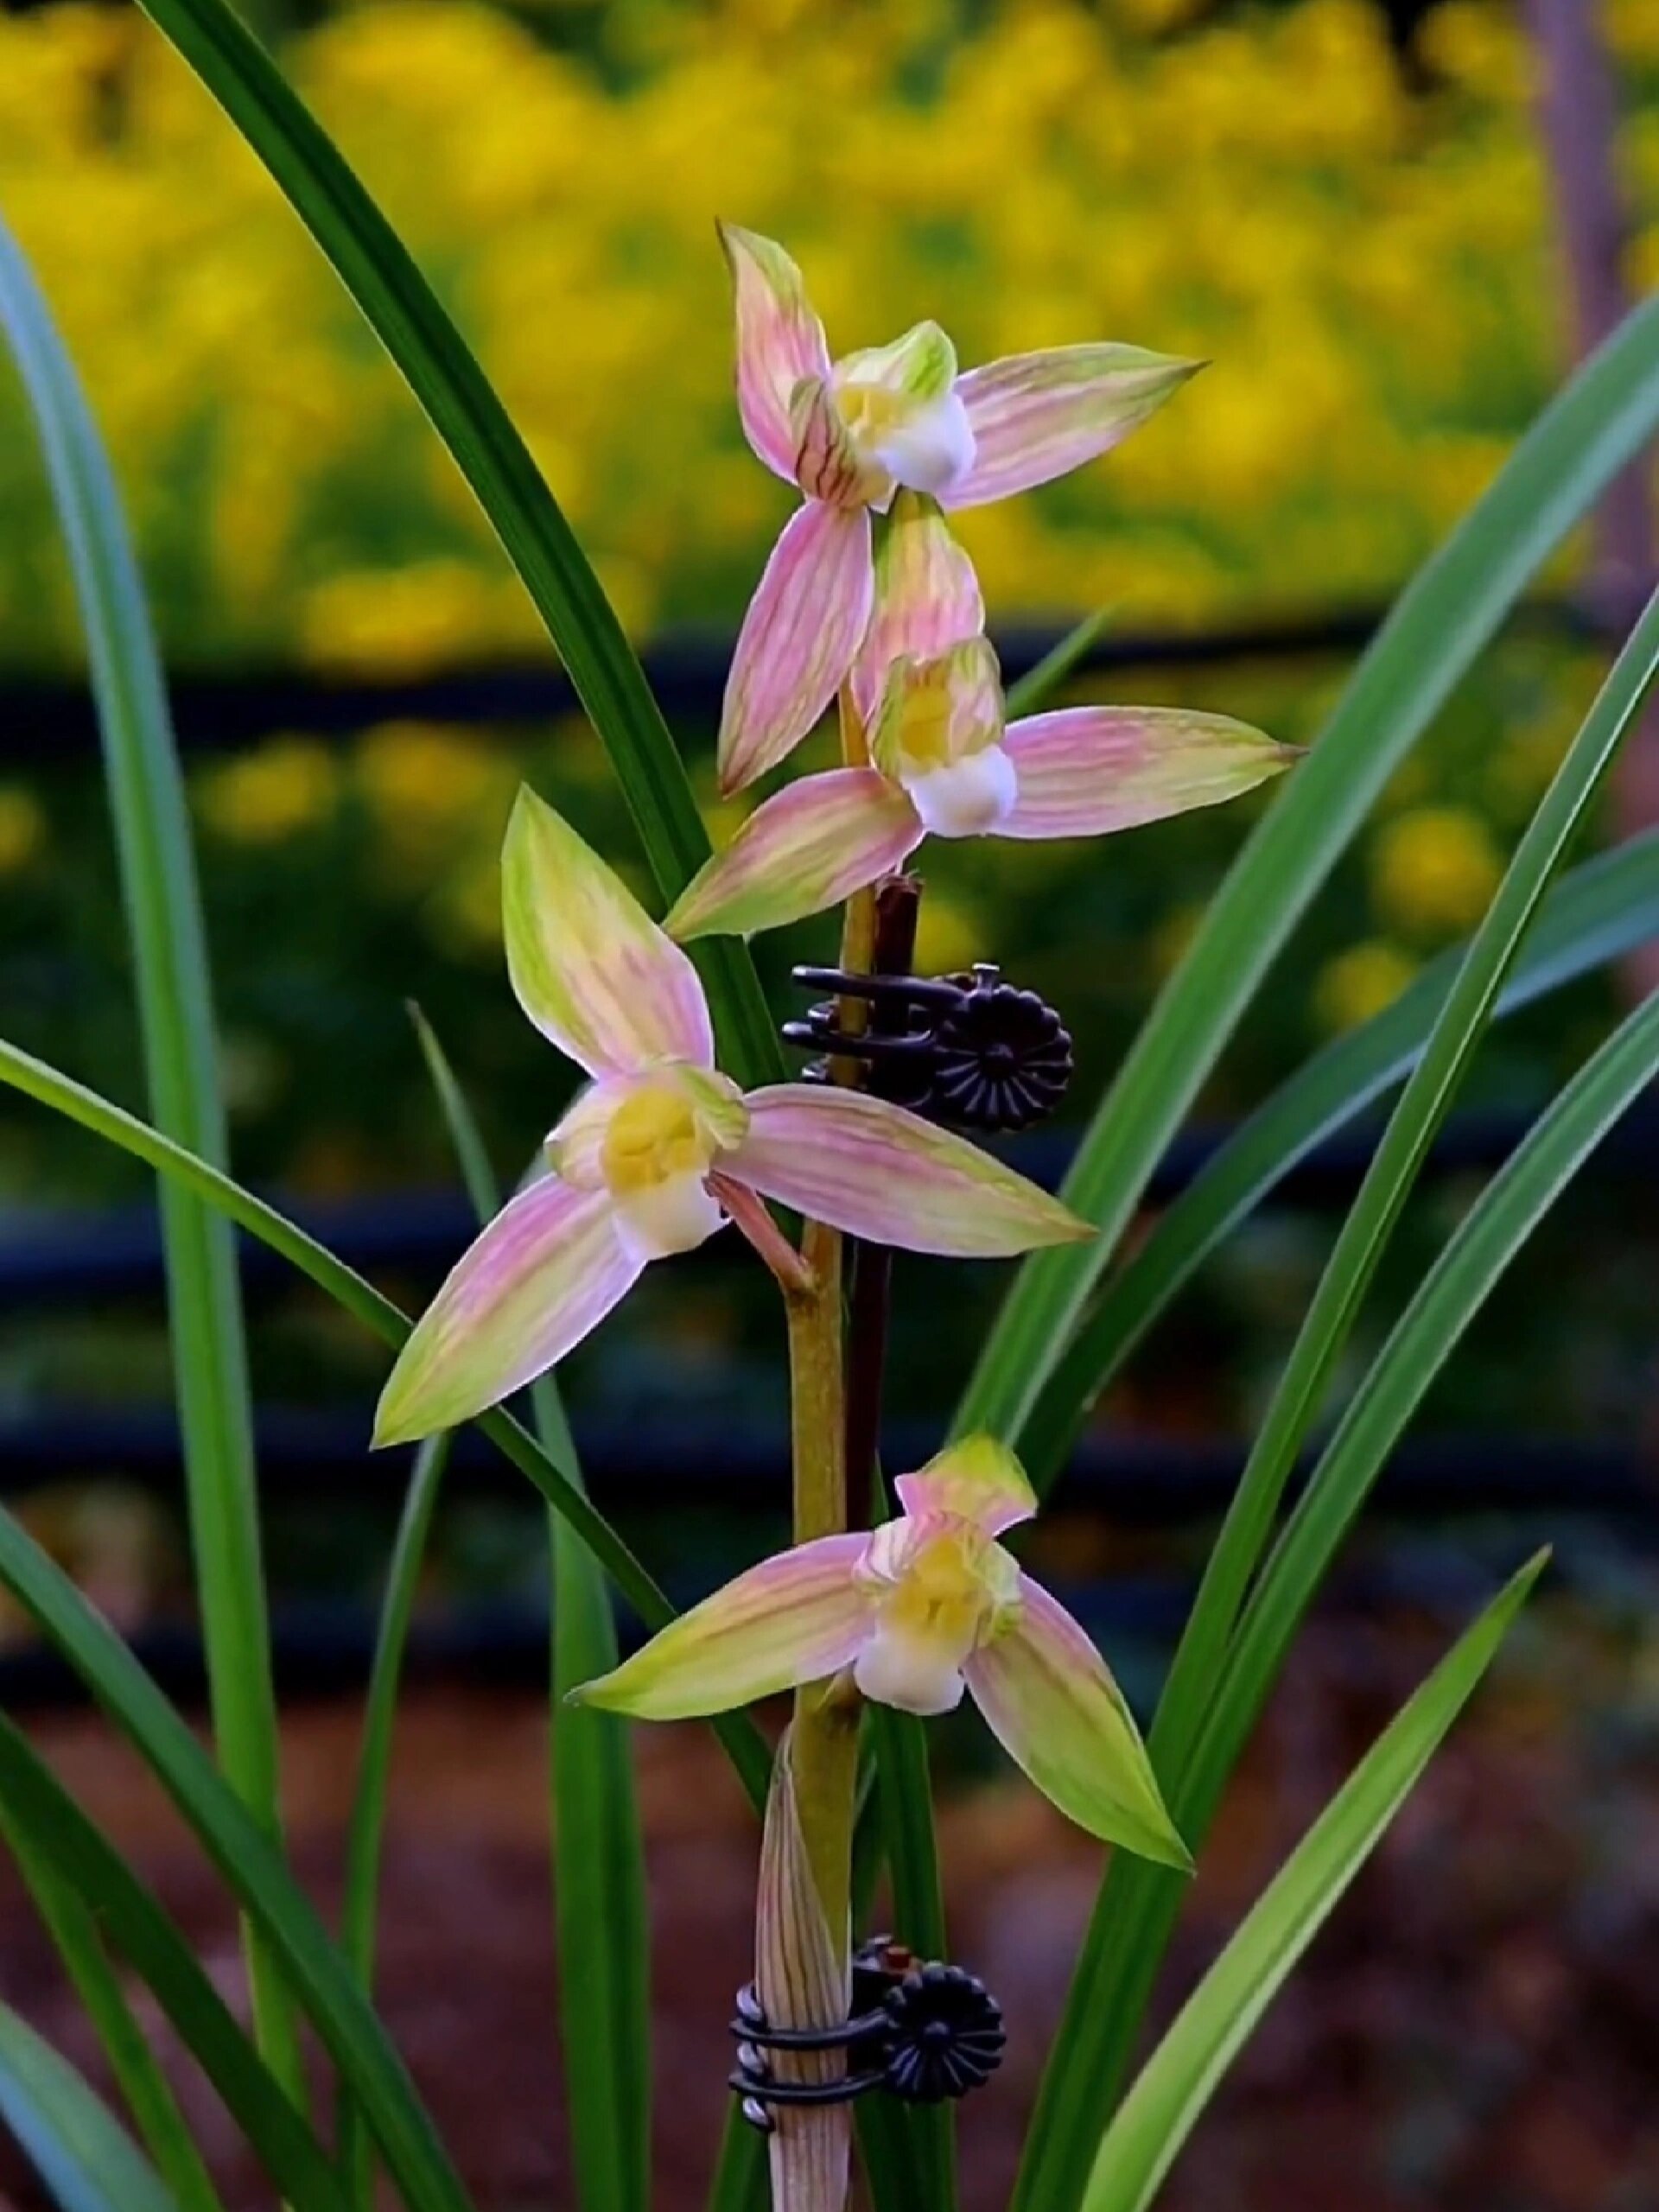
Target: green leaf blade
{"x": 158, "y": 880}
{"x": 1438, "y": 627}
{"x": 1145, "y": 2136}
{"x": 85, "y": 2159}
{"x": 405, "y": 314}
{"x": 1602, "y": 910}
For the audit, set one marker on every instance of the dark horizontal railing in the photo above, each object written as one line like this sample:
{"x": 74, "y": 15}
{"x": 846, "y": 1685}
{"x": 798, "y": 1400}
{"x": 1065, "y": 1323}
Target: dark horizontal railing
{"x": 52, "y": 1255}
{"x": 51, "y": 722}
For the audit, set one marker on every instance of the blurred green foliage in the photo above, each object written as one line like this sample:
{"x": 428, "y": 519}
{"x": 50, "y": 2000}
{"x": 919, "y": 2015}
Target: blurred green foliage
{"x": 1366, "y": 260}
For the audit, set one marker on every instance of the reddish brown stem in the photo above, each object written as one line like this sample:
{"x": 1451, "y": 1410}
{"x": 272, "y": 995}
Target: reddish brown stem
{"x": 897, "y": 898}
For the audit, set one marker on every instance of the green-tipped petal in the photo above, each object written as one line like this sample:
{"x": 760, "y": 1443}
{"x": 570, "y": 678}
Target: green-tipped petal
{"x": 780, "y": 342}
{"x": 548, "y": 1270}
{"x": 927, "y": 597}
{"x": 977, "y": 1480}
{"x": 1087, "y": 771}
{"x": 901, "y": 406}
{"x": 590, "y": 968}
{"x": 811, "y": 846}
{"x": 1038, "y": 416}
{"x": 922, "y": 365}
{"x": 790, "y": 1620}
{"x": 875, "y": 1171}
{"x": 1046, "y": 1694}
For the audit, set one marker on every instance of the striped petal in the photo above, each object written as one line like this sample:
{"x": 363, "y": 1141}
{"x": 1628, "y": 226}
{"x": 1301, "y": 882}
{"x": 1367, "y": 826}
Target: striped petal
{"x": 875, "y": 1171}
{"x": 549, "y": 1269}
{"x": 927, "y": 597}
{"x": 1038, "y": 416}
{"x": 978, "y": 1479}
{"x": 1051, "y": 1703}
{"x": 1088, "y": 770}
{"x": 790, "y": 1620}
{"x": 590, "y": 968}
{"x": 810, "y": 847}
{"x": 780, "y": 342}
{"x": 797, "y": 639}
{"x": 803, "y": 1977}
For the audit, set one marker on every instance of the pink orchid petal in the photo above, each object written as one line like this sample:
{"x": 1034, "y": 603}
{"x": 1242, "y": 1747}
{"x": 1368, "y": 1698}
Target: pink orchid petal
{"x": 1046, "y": 1694}
{"x": 590, "y": 968}
{"x": 548, "y": 1270}
{"x": 780, "y": 342}
{"x": 927, "y": 597}
{"x": 1038, "y": 416}
{"x": 978, "y": 1479}
{"x": 796, "y": 1617}
{"x": 797, "y": 639}
{"x": 810, "y": 847}
{"x": 803, "y": 1977}
{"x": 1086, "y": 771}
{"x": 875, "y": 1171}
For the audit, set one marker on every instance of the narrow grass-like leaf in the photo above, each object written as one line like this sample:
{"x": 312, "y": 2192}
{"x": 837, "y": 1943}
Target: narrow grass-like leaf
{"x": 741, "y": 2182}
{"x": 85, "y": 2159}
{"x": 1423, "y": 1106}
{"x": 169, "y": 956}
{"x": 252, "y": 1868}
{"x": 909, "y": 2151}
{"x": 1146, "y": 2134}
{"x": 404, "y": 314}
{"x": 150, "y": 1942}
{"x": 1438, "y": 629}
{"x": 1139, "y": 1903}
{"x": 359, "y": 1918}
{"x": 599, "y": 1862}
{"x": 1052, "y": 2171}
{"x": 22, "y": 1071}
{"x": 1596, "y": 914}
{"x": 1037, "y": 685}
{"x": 79, "y": 1944}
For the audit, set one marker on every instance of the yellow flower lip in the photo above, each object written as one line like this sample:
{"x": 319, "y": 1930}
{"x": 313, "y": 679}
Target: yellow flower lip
{"x": 653, "y": 1136}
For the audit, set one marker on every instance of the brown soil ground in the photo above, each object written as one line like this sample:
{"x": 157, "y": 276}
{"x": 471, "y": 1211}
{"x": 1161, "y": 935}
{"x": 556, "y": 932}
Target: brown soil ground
{"x": 1478, "y": 2030}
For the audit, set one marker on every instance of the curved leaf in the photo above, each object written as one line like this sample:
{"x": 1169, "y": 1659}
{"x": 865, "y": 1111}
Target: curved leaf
{"x": 169, "y": 956}
{"x": 404, "y": 314}
{"x": 1148, "y": 2130}
{"x": 1595, "y": 914}
{"x": 1438, "y": 627}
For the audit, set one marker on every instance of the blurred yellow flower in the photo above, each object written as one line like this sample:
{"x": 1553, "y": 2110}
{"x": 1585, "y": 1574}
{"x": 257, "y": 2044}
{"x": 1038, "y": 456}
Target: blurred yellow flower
{"x": 278, "y": 791}
{"x": 22, "y": 828}
{"x": 1363, "y": 266}
{"x": 430, "y": 787}
{"x": 1434, "y": 870}
{"x": 1360, "y": 982}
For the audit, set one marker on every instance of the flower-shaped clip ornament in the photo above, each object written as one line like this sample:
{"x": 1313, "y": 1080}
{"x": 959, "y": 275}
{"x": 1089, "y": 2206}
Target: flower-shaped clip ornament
{"x": 920, "y": 1609}
{"x": 945, "y": 761}
{"x": 849, "y": 434}
{"x": 661, "y": 1149}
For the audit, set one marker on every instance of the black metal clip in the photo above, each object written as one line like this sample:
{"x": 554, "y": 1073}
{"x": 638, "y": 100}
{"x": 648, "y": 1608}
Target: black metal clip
{"x": 970, "y": 1050}
{"x": 925, "y": 2032}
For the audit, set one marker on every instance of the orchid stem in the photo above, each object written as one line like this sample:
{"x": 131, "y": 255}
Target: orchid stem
{"x": 897, "y": 901}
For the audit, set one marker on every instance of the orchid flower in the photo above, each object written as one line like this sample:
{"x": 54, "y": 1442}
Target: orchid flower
{"x": 661, "y": 1149}
{"x": 945, "y": 761}
{"x": 922, "y": 1609}
{"x": 849, "y": 434}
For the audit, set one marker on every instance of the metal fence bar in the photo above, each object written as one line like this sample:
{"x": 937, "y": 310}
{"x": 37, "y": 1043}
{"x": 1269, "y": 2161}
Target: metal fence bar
{"x": 55, "y": 1256}
{"x": 311, "y": 1457}
{"x": 49, "y": 722}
